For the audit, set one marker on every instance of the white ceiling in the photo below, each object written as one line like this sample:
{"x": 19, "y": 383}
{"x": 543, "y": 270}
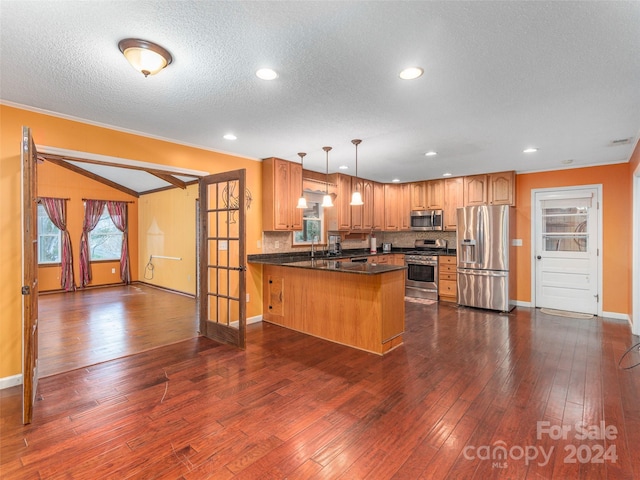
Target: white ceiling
{"x": 499, "y": 77}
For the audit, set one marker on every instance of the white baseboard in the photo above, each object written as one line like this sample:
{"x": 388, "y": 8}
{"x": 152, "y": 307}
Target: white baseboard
{"x": 256, "y": 319}
{"x": 617, "y": 316}
{"x": 11, "y": 381}
{"x": 523, "y": 304}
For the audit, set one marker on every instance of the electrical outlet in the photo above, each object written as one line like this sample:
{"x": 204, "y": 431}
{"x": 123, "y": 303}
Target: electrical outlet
{"x": 277, "y": 244}
{"x": 113, "y": 270}
{"x": 516, "y": 242}
{"x": 259, "y": 244}
{"x": 247, "y": 298}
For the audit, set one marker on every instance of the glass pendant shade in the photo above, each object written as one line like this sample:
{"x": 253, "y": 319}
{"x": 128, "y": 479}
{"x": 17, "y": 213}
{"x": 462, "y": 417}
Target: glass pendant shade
{"x": 326, "y": 201}
{"x": 356, "y": 199}
{"x": 302, "y": 202}
{"x": 146, "y": 57}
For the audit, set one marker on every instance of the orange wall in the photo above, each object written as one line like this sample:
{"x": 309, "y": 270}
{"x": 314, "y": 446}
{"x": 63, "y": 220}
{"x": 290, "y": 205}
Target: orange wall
{"x": 55, "y": 181}
{"x": 634, "y": 166}
{"x": 616, "y": 248}
{"x": 67, "y": 134}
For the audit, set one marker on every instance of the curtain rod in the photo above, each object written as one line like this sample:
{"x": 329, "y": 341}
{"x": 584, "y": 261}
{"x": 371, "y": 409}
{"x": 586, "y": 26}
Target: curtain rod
{"x": 97, "y": 200}
{"x": 57, "y": 198}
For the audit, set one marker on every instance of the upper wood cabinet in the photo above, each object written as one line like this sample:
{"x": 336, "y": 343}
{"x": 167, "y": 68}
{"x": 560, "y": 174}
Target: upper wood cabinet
{"x": 490, "y": 189}
{"x": 453, "y": 199}
{"x": 362, "y": 215}
{"x": 502, "y": 187}
{"x": 427, "y": 195}
{"x": 338, "y": 217}
{"x": 378, "y": 206}
{"x": 405, "y": 206}
{"x": 281, "y": 187}
{"x": 392, "y": 206}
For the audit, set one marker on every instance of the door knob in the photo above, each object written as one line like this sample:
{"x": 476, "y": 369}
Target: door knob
{"x": 539, "y": 257}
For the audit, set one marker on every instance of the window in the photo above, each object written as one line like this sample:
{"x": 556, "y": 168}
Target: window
{"x": 105, "y": 241}
{"x": 312, "y": 222}
{"x": 49, "y": 239}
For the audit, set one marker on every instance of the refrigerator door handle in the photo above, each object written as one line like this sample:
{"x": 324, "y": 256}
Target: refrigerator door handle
{"x": 483, "y": 273}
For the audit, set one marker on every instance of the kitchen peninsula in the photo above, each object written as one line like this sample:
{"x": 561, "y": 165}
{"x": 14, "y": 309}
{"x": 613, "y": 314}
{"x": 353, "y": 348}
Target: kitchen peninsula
{"x": 356, "y": 304}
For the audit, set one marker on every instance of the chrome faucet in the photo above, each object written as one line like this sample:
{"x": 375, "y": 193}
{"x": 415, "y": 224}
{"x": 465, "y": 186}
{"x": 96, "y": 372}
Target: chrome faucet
{"x": 313, "y": 250}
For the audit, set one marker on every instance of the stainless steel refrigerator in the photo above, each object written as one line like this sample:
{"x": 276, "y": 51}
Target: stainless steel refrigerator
{"x": 486, "y": 264}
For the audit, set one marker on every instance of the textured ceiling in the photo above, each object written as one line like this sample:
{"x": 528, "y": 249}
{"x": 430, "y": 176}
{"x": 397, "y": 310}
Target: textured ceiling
{"x": 499, "y": 77}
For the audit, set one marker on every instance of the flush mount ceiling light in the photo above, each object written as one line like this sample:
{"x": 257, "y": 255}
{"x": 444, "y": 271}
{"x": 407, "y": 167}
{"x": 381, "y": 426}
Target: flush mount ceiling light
{"x": 266, "y": 74}
{"x": 230, "y": 136}
{"x": 396, "y": 180}
{"x": 411, "y": 73}
{"x": 302, "y": 202}
{"x": 430, "y": 153}
{"x": 343, "y": 167}
{"x": 446, "y": 174}
{"x": 146, "y": 57}
{"x": 326, "y": 199}
{"x": 530, "y": 150}
{"x": 356, "y": 197}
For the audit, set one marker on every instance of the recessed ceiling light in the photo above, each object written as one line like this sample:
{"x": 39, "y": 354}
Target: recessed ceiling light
{"x": 230, "y": 136}
{"x": 430, "y": 153}
{"x": 411, "y": 73}
{"x": 395, "y": 180}
{"x": 343, "y": 167}
{"x": 447, "y": 174}
{"x": 266, "y": 74}
{"x": 530, "y": 150}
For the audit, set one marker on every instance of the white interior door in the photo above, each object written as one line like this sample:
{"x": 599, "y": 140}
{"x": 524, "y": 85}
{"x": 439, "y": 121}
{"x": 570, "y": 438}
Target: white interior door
{"x": 567, "y": 247}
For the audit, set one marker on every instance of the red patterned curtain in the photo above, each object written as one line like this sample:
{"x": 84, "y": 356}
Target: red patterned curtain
{"x": 92, "y": 213}
{"x": 56, "y": 209}
{"x": 118, "y": 214}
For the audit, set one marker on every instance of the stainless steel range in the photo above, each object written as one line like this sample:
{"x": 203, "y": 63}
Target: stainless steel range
{"x": 422, "y": 268}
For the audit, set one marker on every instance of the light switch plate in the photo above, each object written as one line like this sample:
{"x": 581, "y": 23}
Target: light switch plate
{"x": 516, "y": 242}
{"x": 222, "y": 245}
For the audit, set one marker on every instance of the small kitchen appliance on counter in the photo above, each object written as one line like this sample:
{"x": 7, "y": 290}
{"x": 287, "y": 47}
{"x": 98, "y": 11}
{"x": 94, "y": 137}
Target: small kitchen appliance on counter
{"x": 335, "y": 247}
{"x": 386, "y": 247}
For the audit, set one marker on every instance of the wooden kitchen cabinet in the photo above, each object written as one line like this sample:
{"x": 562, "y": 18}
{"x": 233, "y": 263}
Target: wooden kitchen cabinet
{"x": 391, "y": 206}
{"x": 427, "y": 195}
{"x": 281, "y": 187}
{"x": 362, "y": 217}
{"x": 274, "y": 296}
{"x": 490, "y": 189}
{"x": 338, "y": 217}
{"x": 453, "y": 199}
{"x": 447, "y": 284}
{"x": 405, "y": 206}
{"x": 378, "y": 206}
{"x": 502, "y": 187}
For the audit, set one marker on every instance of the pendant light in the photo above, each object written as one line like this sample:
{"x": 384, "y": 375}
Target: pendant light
{"x": 302, "y": 202}
{"x": 356, "y": 197}
{"x": 326, "y": 200}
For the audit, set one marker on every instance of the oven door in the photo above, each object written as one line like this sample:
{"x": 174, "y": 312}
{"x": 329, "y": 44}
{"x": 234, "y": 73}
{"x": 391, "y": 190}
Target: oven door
{"x": 422, "y": 280}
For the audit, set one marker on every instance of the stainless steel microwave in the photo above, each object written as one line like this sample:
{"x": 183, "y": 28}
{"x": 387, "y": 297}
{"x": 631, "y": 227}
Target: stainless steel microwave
{"x": 426, "y": 220}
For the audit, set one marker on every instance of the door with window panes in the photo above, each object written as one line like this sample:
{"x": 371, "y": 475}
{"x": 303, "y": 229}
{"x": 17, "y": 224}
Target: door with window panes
{"x": 566, "y": 250}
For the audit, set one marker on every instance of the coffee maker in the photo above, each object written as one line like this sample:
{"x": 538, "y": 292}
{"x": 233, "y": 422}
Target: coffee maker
{"x": 335, "y": 247}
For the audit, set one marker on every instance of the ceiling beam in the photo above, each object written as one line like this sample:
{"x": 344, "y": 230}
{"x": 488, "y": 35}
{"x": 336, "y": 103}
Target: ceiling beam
{"x": 176, "y": 182}
{"x": 92, "y": 176}
{"x": 153, "y": 171}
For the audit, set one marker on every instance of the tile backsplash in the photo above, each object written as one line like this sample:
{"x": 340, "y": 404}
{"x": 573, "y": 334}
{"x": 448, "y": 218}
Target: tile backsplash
{"x": 281, "y": 242}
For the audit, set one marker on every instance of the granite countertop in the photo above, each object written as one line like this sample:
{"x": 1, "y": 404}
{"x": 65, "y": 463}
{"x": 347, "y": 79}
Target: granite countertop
{"x": 286, "y": 258}
{"x": 344, "y": 266}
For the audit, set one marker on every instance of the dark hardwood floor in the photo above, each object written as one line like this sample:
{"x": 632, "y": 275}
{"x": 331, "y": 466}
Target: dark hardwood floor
{"x": 86, "y": 327}
{"x": 466, "y": 385}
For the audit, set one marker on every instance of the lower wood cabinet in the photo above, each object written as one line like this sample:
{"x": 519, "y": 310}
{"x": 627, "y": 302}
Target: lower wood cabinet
{"x": 447, "y": 285}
